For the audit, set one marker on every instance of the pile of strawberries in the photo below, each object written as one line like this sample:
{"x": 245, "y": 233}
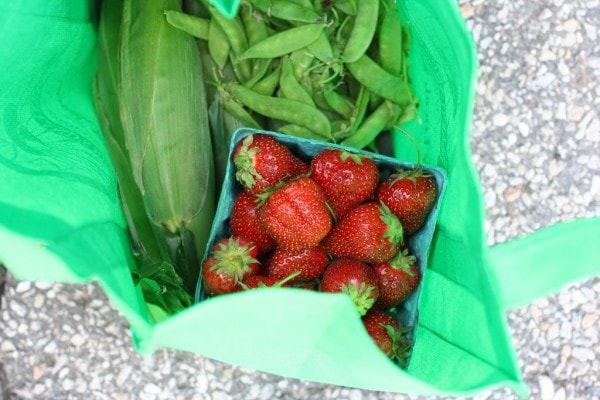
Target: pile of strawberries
{"x": 333, "y": 224}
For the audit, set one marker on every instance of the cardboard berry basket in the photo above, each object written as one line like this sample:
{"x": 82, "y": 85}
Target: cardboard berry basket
{"x": 61, "y": 220}
{"x": 306, "y": 149}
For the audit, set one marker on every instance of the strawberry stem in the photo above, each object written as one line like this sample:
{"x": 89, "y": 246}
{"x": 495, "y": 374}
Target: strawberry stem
{"x": 404, "y": 260}
{"x": 246, "y": 174}
{"x": 361, "y": 296}
{"x": 233, "y": 259}
{"x": 394, "y": 232}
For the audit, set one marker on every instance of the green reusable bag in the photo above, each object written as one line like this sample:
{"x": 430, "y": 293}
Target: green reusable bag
{"x": 60, "y": 220}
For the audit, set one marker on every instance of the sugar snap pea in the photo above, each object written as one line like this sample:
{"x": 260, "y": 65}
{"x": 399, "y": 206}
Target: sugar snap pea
{"x": 239, "y": 112}
{"x": 287, "y": 10}
{"x": 238, "y": 42}
{"x": 254, "y": 24}
{"x": 391, "y": 54}
{"x": 373, "y": 125}
{"x": 290, "y": 87}
{"x": 195, "y": 26}
{"x": 360, "y": 108}
{"x": 218, "y": 46}
{"x": 379, "y": 81}
{"x": 363, "y": 31}
{"x": 300, "y": 131}
{"x": 339, "y": 103}
{"x": 256, "y": 31}
{"x": 304, "y": 3}
{"x": 301, "y": 61}
{"x": 267, "y": 85}
{"x": 348, "y": 7}
{"x": 321, "y": 48}
{"x": 290, "y": 111}
{"x": 284, "y": 42}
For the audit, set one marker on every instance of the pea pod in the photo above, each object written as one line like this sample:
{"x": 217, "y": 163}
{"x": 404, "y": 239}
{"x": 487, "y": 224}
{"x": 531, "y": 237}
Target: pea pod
{"x": 379, "y": 81}
{"x": 239, "y": 112}
{"x": 341, "y": 129}
{"x": 254, "y": 24}
{"x": 348, "y": 7}
{"x": 321, "y": 48}
{"x": 195, "y": 26}
{"x": 218, "y": 46}
{"x": 363, "y": 31}
{"x": 238, "y": 42}
{"x": 304, "y": 3}
{"x": 290, "y": 111}
{"x": 391, "y": 55}
{"x": 288, "y": 10}
{"x": 256, "y": 31}
{"x": 360, "y": 108}
{"x": 300, "y": 131}
{"x": 339, "y": 103}
{"x": 284, "y": 42}
{"x": 290, "y": 87}
{"x": 373, "y": 125}
{"x": 301, "y": 63}
{"x": 268, "y": 84}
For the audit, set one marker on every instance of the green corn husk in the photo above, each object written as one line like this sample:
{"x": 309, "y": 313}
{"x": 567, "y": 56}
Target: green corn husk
{"x": 165, "y": 119}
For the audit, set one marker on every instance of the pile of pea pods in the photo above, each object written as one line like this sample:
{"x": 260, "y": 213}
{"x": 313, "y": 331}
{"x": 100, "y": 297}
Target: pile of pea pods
{"x": 333, "y": 70}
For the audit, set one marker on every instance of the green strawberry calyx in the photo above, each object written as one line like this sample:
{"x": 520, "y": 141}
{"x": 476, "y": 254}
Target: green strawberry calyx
{"x": 394, "y": 232}
{"x": 357, "y": 158}
{"x": 233, "y": 259}
{"x": 410, "y": 174}
{"x": 361, "y": 296}
{"x": 246, "y": 174}
{"x": 401, "y": 345}
{"x": 263, "y": 196}
{"x": 404, "y": 261}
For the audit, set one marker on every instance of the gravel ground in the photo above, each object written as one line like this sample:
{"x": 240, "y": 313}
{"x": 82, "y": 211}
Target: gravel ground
{"x": 536, "y": 134}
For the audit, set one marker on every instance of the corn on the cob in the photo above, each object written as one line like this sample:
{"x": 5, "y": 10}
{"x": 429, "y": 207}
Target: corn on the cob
{"x": 164, "y": 114}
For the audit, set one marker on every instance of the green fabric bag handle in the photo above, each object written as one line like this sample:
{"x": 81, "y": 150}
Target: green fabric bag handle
{"x": 543, "y": 262}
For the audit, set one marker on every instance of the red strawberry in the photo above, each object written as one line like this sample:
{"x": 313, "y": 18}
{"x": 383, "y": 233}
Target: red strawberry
{"x": 301, "y": 168}
{"x": 396, "y": 278}
{"x": 259, "y": 281}
{"x": 310, "y": 263}
{"x": 230, "y": 261}
{"x": 410, "y": 194}
{"x": 369, "y": 233}
{"x": 347, "y": 179}
{"x": 245, "y": 222}
{"x": 296, "y": 215}
{"x": 389, "y": 335}
{"x": 262, "y": 162}
{"x": 354, "y": 278}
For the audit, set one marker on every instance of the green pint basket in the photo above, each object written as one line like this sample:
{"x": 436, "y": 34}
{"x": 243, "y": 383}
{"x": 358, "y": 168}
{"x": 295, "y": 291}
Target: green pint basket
{"x": 61, "y": 220}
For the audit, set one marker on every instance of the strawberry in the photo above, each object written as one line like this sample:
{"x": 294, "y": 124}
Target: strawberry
{"x": 262, "y": 162}
{"x": 354, "y": 278}
{"x": 260, "y": 281}
{"x": 230, "y": 261}
{"x": 396, "y": 278}
{"x": 369, "y": 233}
{"x": 389, "y": 335}
{"x": 347, "y": 179}
{"x": 296, "y": 215}
{"x": 410, "y": 195}
{"x": 245, "y": 222}
{"x": 310, "y": 263}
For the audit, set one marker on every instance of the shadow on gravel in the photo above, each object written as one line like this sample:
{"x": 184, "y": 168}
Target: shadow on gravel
{"x": 4, "y": 395}
{"x": 2, "y": 282}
